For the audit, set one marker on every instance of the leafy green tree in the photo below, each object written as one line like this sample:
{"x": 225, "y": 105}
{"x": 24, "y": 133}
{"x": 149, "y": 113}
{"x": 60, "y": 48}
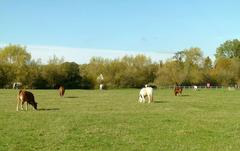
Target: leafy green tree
{"x": 15, "y": 54}
{"x": 207, "y": 64}
{"x": 91, "y": 71}
{"x": 229, "y": 49}
{"x": 227, "y": 68}
{"x": 6, "y": 75}
{"x": 184, "y": 68}
{"x": 137, "y": 72}
{"x": 207, "y": 69}
{"x": 52, "y": 72}
{"x": 35, "y": 78}
{"x": 129, "y": 71}
{"x": 192, "y": 61}
{"x": 71, "y": 76}
{"x": 227, "y": 71}
{"x": 86, "y": 82}
{"x": 170, "y": 73}
{"x": 18, "y": 59}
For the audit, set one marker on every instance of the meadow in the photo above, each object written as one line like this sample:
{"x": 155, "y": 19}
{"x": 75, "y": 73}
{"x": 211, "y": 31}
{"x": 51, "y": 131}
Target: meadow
{"x": 205, "y": 120}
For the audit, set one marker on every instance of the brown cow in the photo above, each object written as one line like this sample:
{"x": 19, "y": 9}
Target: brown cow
{"x": 61, "y": 91}
{"x": 26, "y": 96}
{"x": 177, "y": 90}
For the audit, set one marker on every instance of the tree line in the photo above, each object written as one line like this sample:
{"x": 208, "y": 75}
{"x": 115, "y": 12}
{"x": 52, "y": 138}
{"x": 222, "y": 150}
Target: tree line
{"x": 186, "y": 67}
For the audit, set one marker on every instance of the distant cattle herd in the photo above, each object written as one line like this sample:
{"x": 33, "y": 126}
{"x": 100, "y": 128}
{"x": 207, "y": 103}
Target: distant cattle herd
{"x": 145, "y": 95}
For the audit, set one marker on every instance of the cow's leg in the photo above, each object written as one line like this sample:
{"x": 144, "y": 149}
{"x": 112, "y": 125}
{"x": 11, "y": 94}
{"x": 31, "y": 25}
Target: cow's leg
{"x": 140, "y": 99}
{"x": 22, "y": 105}
{"x": 143, "y": 98}
{"x": 18, "y": 101}
{"x": 26, "y": 106}
{"x": 149, "y": 98}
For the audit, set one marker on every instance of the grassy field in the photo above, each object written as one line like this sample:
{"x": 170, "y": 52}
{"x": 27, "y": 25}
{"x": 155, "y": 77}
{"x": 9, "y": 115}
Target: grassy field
{"x": 205, "y": 120}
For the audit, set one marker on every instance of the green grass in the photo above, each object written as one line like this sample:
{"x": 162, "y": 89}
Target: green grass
{"x": 206, "y": 120}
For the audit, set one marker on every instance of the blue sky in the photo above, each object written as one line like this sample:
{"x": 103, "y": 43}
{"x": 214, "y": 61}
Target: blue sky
{"x": 77, "y": 29}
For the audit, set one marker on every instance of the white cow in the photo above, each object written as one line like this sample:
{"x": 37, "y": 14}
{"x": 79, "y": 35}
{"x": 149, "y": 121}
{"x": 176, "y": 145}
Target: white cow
{"x": 195, "y": 88}
{"x": 146, "y": 92}
{"x": 17, "y": 85}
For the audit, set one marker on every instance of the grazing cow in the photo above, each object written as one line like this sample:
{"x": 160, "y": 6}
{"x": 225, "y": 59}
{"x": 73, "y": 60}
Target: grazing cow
{"x": 25, "y": 96}
{"x": 195, "y": 88}
{"x": 61, "y": 91}
{"x": 146, "y": 92}
{"x": 178, "y": 90}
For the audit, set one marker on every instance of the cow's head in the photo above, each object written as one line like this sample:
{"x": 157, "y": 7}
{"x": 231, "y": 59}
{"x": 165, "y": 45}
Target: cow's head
{"x": 140, "y": 99}
{"x": 34, "y": 104}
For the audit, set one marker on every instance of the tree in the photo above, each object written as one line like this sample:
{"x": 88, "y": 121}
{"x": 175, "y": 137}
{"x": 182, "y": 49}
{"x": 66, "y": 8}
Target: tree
{"x": 15, "y": 54}
{"x": 71, "y": 76}
{"x": 137, "y": 71}
{"x": 184, "y": 68}
{"x": 89, "y": 72}
{"x": 207, "y": 71}
{"x": 227, "y": 71}
{"x": 6, "y": 75}
{"x": 86, "y": 82}
{"x": 193, "y": 59}
{"x": 229, "y": 49}
{"x": 207, "y": 63}
{"x": 52, "y": 72}
{"x": 35, "y": 78}
{"x": 170, "y": 73}
{"x": 18, "y": 59}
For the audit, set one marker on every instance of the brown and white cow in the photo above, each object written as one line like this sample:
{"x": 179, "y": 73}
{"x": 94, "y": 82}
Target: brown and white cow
{"x": 177, "y": 90}
{"x": 25, "y": 96}
{"x": 61, "y": 91}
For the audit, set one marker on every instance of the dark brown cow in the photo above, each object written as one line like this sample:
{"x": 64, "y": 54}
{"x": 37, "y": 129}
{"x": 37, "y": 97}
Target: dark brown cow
{"x": 61, "y": 91}
{"x": 25, "y": 96}
{"x": 177, "y": 90}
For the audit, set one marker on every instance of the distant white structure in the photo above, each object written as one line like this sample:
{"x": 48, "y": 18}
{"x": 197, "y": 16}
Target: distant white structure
{"x": 100, "y": 80}
{"x": 146, "y": 92}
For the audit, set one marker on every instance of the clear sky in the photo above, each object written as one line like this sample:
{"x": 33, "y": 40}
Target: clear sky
{"x": 79, "y": 29}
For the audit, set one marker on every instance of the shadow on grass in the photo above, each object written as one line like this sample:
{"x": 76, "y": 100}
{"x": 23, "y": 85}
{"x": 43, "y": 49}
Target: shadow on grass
{"x": 183, "y": 95}
{"x": 48, "y": 109}
{"x": 71, "y": 97}
{"x": 160, "y": 101}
